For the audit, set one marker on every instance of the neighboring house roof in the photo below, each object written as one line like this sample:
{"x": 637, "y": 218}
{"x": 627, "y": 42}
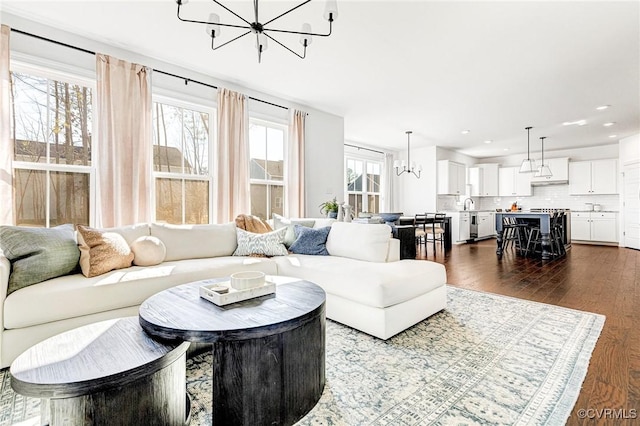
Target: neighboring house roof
{"x": 259, "y": 167}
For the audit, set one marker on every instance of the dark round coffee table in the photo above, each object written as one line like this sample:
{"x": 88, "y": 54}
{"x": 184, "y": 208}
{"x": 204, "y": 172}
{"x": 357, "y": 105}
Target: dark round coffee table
{"x": 268, "y": 352}
{"x": 105, "y": 373}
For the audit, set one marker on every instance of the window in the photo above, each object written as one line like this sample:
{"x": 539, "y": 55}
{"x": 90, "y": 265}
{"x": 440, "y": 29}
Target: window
{"x": 266, "y": 167}
{"x": 181, "y": 158}
{"x": 51, "y": 129}
{"x": 363, "y": 184}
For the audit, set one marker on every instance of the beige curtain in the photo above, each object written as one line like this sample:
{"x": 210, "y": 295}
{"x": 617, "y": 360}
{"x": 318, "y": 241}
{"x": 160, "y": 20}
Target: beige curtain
{"x": 233, "y": 189}
{"x": 387, "y": 187}
{"x": 125, "y": 142}
{"x": 6, "y": 143}
{"x": 294, "y": 165}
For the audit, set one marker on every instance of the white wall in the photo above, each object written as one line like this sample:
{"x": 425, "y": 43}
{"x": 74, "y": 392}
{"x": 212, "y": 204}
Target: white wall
{"x": 418, "y": 195}
{"x": 630, "y": 149}
{"x": 325, "y": 132}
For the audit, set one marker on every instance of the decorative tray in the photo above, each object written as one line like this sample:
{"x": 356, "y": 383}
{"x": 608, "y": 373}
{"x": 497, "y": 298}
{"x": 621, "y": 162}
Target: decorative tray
{"x": 232, "y": 295}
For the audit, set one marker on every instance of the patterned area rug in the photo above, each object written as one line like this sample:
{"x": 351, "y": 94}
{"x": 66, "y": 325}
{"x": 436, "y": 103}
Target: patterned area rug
{"x": 487, "y": 359}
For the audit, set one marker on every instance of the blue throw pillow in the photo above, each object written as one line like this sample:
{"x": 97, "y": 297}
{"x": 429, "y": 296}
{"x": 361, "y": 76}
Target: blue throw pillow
{"x": 310, "y": 240}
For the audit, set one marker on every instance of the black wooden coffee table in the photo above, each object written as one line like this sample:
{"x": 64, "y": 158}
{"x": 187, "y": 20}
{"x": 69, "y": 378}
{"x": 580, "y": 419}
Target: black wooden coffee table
{"x": 104, "y": 374}
{"x": 268, "y": 352}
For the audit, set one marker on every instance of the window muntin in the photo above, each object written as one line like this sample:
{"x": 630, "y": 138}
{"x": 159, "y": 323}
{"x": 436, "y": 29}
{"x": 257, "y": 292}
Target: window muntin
{"x": 182, "y": 137}
{"x": 266, "y": 167}
{"x": 363, "y": 178}
{"x": 52, "y": 134}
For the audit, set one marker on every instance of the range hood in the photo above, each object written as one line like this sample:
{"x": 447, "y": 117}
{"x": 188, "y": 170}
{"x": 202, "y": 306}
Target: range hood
{"x": 549, "y": 182}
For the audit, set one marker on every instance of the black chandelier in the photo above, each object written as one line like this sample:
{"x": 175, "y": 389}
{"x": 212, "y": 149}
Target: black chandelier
{"x": 261, "y": 30}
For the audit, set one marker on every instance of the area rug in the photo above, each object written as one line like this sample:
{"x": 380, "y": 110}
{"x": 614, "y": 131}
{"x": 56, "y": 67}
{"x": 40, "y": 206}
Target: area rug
{"x": 486, "y": 359}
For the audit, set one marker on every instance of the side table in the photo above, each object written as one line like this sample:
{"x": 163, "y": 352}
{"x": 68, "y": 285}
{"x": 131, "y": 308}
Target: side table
{"x": 104, "y": 374}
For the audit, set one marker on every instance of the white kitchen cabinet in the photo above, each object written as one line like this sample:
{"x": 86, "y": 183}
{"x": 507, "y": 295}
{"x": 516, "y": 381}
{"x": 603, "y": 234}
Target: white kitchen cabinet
{"x": 594, "y": 226}
{"x": 452, "y": 178}
{"x": 483, "y": 179}
{"x": 486, "y": 224}
{"x": 513, "y": 183}
{"x": 559, "y": 168}
{"x": 593, "y": 177}
{"x": 460, "y": 226}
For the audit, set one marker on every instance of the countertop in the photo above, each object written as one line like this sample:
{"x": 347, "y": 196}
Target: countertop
{"x": 594, "y": 211}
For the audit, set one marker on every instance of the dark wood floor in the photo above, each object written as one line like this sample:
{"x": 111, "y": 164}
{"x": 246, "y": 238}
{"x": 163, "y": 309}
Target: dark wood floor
{"x": 599, "y": 279}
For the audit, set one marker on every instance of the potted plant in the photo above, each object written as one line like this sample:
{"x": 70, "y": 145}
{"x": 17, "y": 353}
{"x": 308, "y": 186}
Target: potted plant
{"x": 330, "y": 208}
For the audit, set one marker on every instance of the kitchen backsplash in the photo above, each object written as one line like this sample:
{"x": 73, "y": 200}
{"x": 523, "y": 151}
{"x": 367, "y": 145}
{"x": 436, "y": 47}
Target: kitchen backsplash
{"x": 550, "y": 196}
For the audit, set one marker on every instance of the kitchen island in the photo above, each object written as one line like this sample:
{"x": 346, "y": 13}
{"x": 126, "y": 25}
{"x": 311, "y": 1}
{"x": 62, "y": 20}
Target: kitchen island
{"x": 545, "y": 229}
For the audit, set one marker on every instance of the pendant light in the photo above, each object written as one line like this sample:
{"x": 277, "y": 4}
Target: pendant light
{"x": 543, "y": 170}
{"x": 528, "y": 165}
{"x": 408, "y": 167}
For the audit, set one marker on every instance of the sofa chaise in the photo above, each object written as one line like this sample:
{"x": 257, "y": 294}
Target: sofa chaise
{"x": 367, "y": 286}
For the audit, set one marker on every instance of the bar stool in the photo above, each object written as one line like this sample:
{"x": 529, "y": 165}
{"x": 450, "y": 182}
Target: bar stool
{"x": 514, "y": 234}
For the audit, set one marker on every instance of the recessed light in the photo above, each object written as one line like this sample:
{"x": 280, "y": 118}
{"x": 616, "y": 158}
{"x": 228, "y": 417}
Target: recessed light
{"x": 603, "y": 107}
{"x": 506, "y": 149}
{"x": 488, "y": 141}
{"x": 609, "y": 124}
{"x": 613, "y": 136}
{"x": 575, "y": 123}
{"x": 466, "y": 132}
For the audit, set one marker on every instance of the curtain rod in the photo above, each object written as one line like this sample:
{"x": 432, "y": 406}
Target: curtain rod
{"x": 186, "y": 79}
{"x": 366, "y": 149}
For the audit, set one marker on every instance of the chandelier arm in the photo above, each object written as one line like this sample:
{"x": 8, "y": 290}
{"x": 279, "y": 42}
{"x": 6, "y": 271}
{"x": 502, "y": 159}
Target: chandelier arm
{"x": 232, "y": 12}
{"x": 304, "y": 54}
{"x": 303, "y": 33}
{"x": 227, "y": 42}
{"x": 282, "y": 14}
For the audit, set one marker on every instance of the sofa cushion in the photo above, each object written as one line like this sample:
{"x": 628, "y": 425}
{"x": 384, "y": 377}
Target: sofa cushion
{"x": 310, "y": 241}
{"x": 130, "y": 232}
{"x": 269, "y": 244}
{"x": 74, "y": 295}
{"x": 280, "y": 222}
{"x": 196, "y": 241}
{"x": 102, "y": 251}
{"x": 379, "y": 285}
{"x": 368, "y": 242}
{"x": 148, "y": 251}
{"x": 38, "y": 254}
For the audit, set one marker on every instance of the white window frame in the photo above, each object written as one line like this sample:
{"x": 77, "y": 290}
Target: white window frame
{"x": 274, "y": 124}
{"x": 365, "y": 159}
{"x": 179, "y": 101}
{"x": 52, "y": 72}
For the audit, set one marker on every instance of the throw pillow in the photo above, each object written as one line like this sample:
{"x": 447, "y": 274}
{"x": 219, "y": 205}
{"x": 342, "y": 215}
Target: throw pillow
{"x": 280, "y": 222}
{"x": 102, "y": 251}
{"x": 38, "y": 254}
{"x": 148, "y": 251}
{"x": 311, "y": 241}
{"x": 252, "y": 224}
{"x": 269, "y": 244}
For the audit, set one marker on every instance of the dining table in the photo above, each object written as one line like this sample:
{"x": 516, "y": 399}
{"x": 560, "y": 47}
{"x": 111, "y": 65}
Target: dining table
{"x": 545, "y": 229}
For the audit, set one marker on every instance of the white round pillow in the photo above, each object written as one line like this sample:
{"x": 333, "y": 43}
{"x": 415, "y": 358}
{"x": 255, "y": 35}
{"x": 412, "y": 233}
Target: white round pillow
{"x": 148, "y": 251}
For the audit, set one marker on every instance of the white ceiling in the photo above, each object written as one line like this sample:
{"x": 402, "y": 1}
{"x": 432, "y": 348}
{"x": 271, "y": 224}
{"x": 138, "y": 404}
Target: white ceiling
{"x": 433, "y": 67}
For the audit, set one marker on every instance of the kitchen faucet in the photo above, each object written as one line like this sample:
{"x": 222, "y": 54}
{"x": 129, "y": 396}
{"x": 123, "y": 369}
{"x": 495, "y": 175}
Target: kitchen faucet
{"x": 465, "y": 203}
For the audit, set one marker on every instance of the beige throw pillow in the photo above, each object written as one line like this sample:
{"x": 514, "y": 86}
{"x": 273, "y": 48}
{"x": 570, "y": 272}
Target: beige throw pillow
{"x": 148, "y": 251}
{"x": 101, "y": 252}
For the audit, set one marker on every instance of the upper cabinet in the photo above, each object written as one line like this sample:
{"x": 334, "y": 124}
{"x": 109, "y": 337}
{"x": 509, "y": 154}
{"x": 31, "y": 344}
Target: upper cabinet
{"x": 559, "y": 168}
{"x": 513, "y": 183}
{"x": 593, "y": 177}
{"x": 483, "y": 179}
{"x": 452, "y": 178}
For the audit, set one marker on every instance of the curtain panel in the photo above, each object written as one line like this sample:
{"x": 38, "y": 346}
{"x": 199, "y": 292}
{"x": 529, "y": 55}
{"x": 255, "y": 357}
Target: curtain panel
{"x": 387, "y": 188}
{"x": 125, "y": 142}
{"x": 6, "y": 143}
{"x": 294, "y": 165}
{"x": 233, "y": 188}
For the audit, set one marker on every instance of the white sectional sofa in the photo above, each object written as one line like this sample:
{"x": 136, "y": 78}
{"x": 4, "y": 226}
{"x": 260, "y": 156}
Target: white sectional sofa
{"x": 367, "y": 286}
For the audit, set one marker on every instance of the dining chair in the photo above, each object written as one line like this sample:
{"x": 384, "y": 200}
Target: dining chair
{"x": 420, "y": 223}
{"x": 435, "y": 229}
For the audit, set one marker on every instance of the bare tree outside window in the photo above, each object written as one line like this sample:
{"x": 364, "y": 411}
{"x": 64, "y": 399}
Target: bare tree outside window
{"x": 181, "y": 164}
{"x": 51, "y": 127}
